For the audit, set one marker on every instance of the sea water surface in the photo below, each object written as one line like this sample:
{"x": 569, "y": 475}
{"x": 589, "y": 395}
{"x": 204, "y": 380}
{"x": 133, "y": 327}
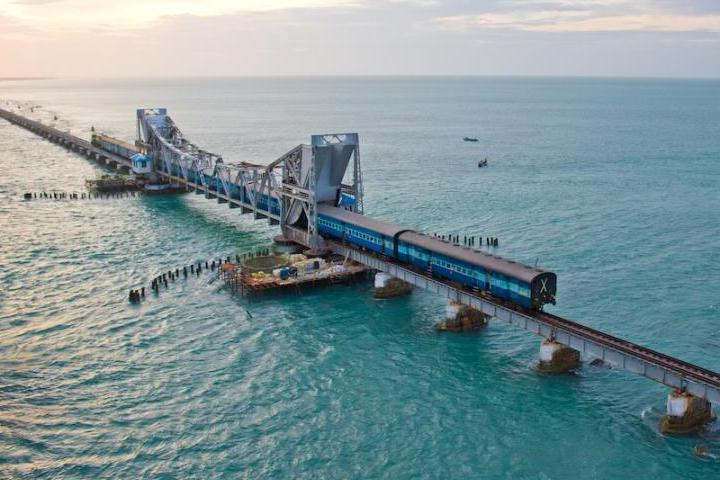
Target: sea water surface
{"x": 613, "y": 184}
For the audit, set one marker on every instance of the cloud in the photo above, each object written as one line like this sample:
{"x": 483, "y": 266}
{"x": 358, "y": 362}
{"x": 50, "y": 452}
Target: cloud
{"x": 418, "y": 3}
{"x": 583, "y": 16}
{"x": 34, "y": 2}
{"x": 365, "y": 37}
{"x": 72, "y": 15}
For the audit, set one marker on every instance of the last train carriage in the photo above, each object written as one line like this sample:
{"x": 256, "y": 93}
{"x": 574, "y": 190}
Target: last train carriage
{"x": 118, "y": 147}
{"x": 141, "y": 163}
{"x": 523, "y": 285}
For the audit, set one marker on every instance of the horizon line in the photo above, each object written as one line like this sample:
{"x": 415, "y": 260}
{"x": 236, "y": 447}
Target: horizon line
{"x": 340, "y": 75}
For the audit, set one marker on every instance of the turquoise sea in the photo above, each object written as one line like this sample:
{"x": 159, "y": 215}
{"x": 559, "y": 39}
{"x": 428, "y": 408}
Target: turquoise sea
{"x": 614, "y": 184}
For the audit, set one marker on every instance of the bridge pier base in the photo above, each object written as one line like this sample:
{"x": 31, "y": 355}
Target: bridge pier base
{"x": 281, "y": 244}
{"x": 557, "y": 358}
{"x": 390, "y": 287}
{"x": 686, "y": 413}
{"x": 461, "y": 318}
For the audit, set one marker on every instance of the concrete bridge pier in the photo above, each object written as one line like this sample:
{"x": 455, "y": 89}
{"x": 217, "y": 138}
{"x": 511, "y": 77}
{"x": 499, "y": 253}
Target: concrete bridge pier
{"x": 685, "y": 413}
{"x": 461, "y": 318}
{"x": 282, "y": 244}
{"x": 557, "y": 358}
{"x": 387, "y": 286}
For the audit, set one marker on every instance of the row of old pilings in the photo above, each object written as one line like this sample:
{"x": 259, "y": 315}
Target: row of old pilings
{"x": 136, "y": 296}
{"x": 685, "y": 413}
{"x": 53, "y": 195}
{"x": 194, "y": 269}
{"x": 468, "y": 241}
{"x": 164, "y": 279}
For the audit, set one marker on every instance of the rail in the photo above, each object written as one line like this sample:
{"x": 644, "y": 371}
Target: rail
{"x": 681, "y": 367}
{"x": 64, "y": 138}
{"x": 615, "y": 351}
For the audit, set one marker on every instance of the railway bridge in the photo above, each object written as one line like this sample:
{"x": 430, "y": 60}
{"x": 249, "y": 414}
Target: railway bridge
{"x": 288, "y": 192}
{"x": 69, "y": 141}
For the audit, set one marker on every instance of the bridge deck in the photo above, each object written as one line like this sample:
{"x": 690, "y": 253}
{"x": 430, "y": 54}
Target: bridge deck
{"x": 615, "y": 351}
{"x": 64, "y": 138}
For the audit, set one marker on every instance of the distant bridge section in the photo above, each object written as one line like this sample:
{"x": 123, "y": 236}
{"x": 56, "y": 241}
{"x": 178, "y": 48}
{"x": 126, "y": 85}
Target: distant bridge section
{"x": 69, "y": 141}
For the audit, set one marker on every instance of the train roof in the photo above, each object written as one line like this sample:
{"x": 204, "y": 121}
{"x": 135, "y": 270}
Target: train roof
{"x": 384, "y": 228}
{"x": 464, "y": 254}
{"x": 117, "y": 141}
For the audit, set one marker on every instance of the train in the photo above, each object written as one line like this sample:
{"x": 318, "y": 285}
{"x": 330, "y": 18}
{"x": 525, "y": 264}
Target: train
{"x": 141, "y": 163}
{"x": 118, "y": 147}
{"x": 528, "y": 287}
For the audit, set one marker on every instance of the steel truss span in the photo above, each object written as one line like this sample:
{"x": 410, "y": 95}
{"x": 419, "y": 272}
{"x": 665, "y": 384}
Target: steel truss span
{"x": 286, "y": 191}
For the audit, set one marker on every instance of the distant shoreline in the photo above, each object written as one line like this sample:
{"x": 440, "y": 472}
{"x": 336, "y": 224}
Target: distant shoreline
{"x": 370, "y": 77}
{"x": 10, "y": 79}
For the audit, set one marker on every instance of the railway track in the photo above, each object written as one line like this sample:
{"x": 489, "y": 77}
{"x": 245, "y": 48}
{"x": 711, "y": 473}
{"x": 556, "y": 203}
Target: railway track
{"x": 681, "y": 367}
{"x": 684, "y": 371}
{"x": 65, "y": 139}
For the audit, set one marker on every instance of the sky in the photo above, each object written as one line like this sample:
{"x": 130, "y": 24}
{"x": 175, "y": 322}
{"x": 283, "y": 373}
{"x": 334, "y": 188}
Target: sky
{"x": 165, "y": 38}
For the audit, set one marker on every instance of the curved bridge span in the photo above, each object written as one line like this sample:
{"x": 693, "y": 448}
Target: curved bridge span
{"x": 288, "y": 191}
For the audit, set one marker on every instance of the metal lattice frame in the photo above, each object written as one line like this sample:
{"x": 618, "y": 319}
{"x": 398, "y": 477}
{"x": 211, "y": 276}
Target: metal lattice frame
{"x": 282, "y": 180}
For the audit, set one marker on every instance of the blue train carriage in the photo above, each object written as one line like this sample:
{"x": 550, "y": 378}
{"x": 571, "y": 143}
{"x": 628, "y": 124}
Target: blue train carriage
{"x": 520, "y": 284}
{"x": 110, "y": 144}
{"x": 357, "y": 229}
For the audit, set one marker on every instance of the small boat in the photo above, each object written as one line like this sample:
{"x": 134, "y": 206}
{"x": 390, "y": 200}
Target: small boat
{"x": 483, "y": 163}
{"x": 470, "y": 139}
